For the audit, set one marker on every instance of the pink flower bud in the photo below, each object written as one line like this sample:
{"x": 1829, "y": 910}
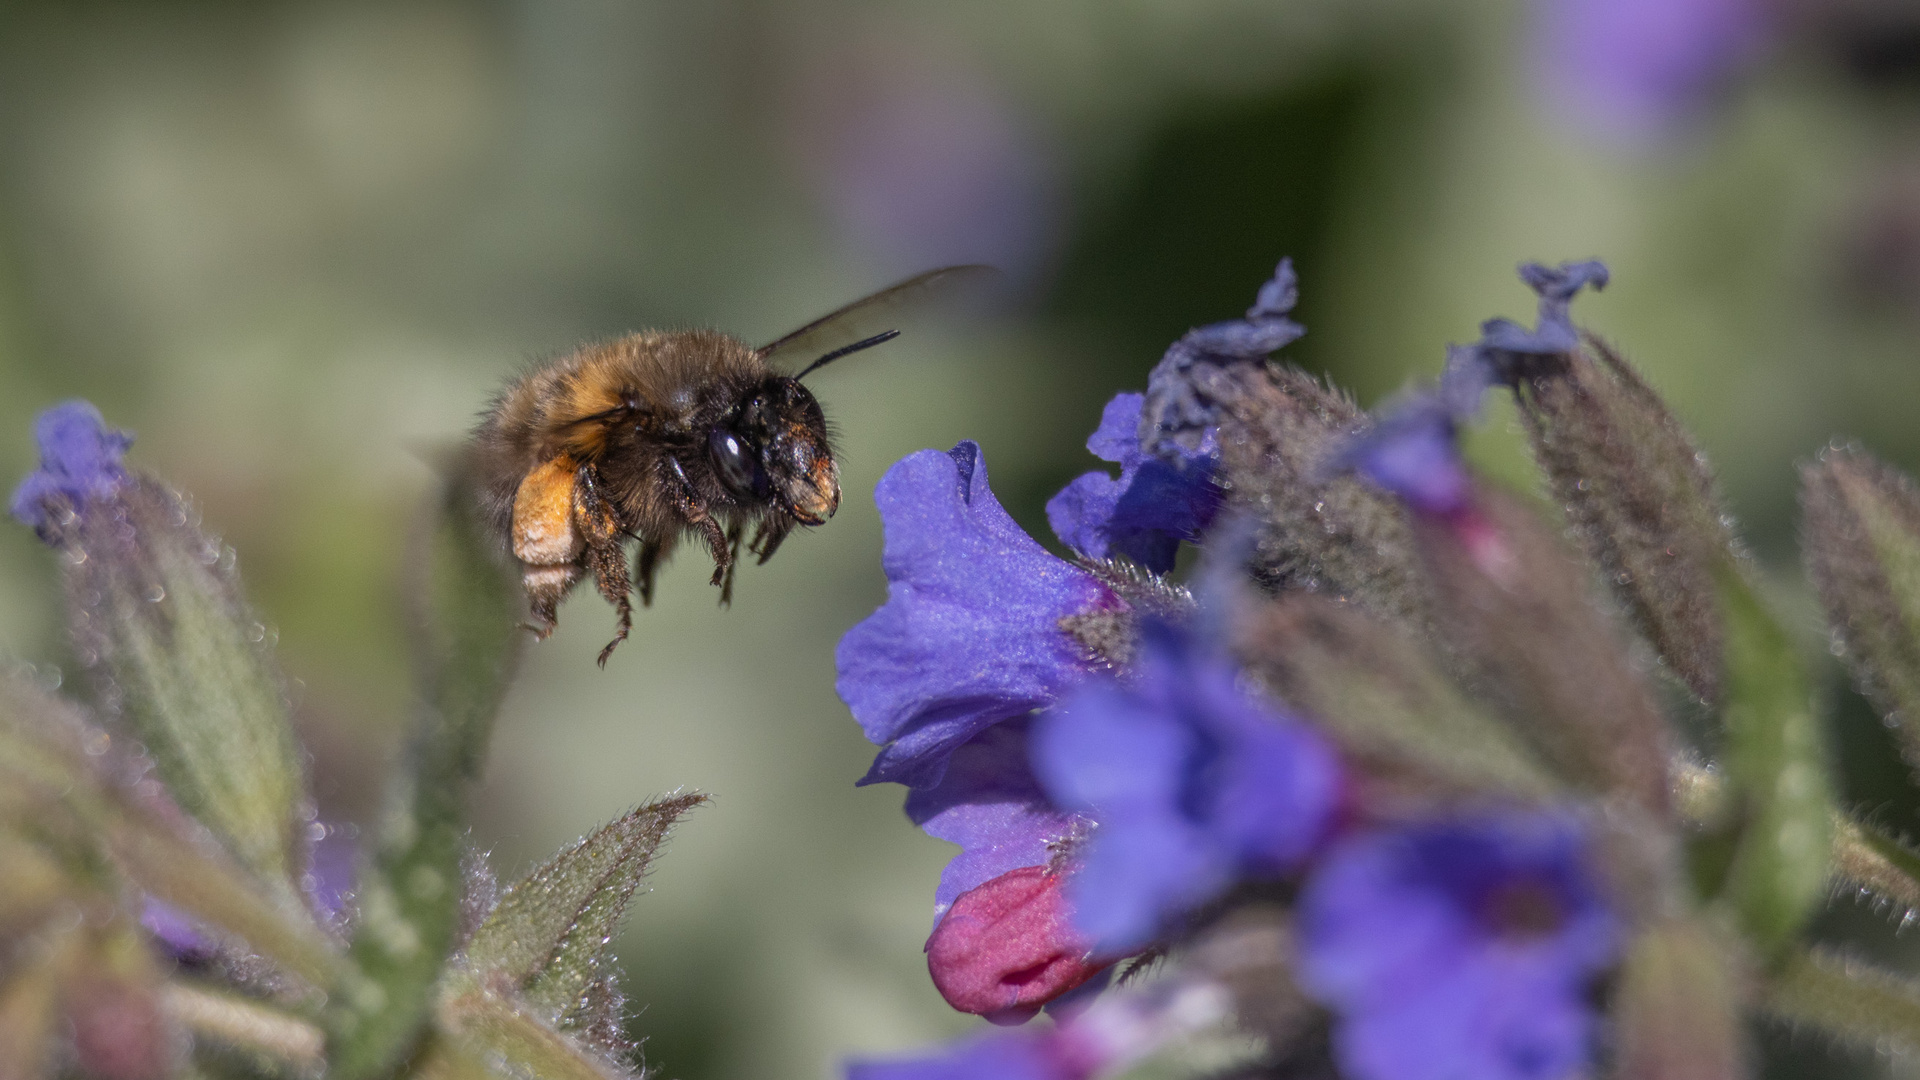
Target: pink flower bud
{"x": 1008, "y": 947}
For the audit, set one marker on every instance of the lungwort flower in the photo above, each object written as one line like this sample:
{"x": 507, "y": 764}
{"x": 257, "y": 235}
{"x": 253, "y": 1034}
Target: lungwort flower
{"x": 970, "y": 635}
{"x": 1195, "y": 785}
{"x": 1457, "y": 949}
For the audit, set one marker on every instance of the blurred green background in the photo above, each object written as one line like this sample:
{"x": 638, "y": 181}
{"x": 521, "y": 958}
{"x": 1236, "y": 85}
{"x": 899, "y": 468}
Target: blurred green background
{"x": 296, "y": 246}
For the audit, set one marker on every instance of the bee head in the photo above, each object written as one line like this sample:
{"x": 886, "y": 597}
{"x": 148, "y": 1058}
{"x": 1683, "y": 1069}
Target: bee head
{"x": 776, "y": 448}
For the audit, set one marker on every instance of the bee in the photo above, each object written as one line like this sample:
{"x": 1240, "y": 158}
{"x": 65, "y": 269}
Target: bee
{"x": 658, "y": 435}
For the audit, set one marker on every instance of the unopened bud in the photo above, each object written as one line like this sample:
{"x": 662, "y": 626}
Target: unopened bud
{"x": 1008, "y": 947}
{"x": 1862, "y": 544}
{"x": 1639, "y": 496}
{"x": 1678, "y": 1006}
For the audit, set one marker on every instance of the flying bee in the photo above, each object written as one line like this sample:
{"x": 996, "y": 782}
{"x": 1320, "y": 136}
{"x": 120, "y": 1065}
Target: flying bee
{"x": 660, "y": 434}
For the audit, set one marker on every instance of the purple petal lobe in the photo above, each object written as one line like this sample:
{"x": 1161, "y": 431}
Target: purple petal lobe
{"x": 1154, "y": 504}
{"x": 79, "y": 460}
{"x": 990, "y": 804}
{"x": 969, "y": 635}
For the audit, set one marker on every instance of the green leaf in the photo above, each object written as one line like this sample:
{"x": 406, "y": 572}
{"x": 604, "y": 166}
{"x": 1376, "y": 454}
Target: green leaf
{"x": 548, "y": 934}
{"x": 1677, "y": 1007}
{"x": 495, "y": 1027}
{"x": 1848, "y": 999}
{"x": 1777, "y": 765}
{"x": 159, "y": 622}
{"x": 1862, "y": 546}
{"x": 468, "y": 610}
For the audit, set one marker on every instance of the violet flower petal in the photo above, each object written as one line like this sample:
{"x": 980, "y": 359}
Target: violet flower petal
{"x": 1001, "y": 1056}
{"x": 990, "y": 804}
{"x": 969, "y": 635}
{"x": 1154, "y": 504}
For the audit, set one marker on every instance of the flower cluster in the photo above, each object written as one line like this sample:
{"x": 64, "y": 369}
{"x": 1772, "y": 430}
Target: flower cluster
{"x": 1121, "y": 781}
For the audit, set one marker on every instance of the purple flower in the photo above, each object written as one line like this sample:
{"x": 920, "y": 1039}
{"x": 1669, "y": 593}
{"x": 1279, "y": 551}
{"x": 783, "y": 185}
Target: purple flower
{"x": 992, "y": 1057}
{"x": 1154, "y": 504}
{"x": 1194, "y": 785}
{"x": 1632, "y": 70}
{"x": 1459, "y": 948}
{"x": 79, "y": 461}
{"x": 970, "y": 633}
{"x": 1413, "y": 452}
{"x": 1187, "y": 388}
{"x": 177, "y": 934}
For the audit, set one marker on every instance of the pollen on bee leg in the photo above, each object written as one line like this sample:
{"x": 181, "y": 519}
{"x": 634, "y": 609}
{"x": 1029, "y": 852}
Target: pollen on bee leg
{"x": 543, "y": 527}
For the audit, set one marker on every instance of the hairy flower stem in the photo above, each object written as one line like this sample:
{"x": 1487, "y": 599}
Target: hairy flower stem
{"x": 248, "y": 1025}
{"x": 1847, "y": 999}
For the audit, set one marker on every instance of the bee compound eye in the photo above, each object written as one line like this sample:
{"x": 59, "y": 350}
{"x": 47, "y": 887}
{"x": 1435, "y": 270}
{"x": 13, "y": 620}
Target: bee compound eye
{"x": 731, "y": 458}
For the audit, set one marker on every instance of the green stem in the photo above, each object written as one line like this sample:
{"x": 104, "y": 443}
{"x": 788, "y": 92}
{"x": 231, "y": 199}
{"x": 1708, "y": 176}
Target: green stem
{"x": 1871, "y": 859}
{"x": 1848, "y": 999}
{"x": 247, "y": 1024}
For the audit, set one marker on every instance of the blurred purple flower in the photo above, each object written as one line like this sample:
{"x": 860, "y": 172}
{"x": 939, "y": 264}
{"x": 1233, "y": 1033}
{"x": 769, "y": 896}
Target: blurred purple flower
{"x": 176, "y": 933}
{"x": 1153, "y": 505}
{"x": 332, "y": 862}
{"x": 1021, "y": 1056}
{"x": 920, "y": 161}
{"x": 79, "y": 460}
{"x": 970, "y": 634}
{"x": 1187, "y": 388}
{"x": 1634, "y": 71}
{"x": 1194, "y": 784}
{"x": 1105, "y": 1037}
{"x": 1459, "y": 948}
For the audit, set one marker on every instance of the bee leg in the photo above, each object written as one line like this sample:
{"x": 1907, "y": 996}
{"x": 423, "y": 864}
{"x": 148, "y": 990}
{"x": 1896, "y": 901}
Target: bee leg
{"x": 604, "y": 557}
{"x": 697, "y": 517}
{"x": 644, "y": 564}
{"x": 767, "y": 538}
{"x": 733, "y": 560}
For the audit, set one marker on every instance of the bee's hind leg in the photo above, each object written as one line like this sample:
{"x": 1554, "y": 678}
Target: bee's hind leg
{"x": 605, "y": 558}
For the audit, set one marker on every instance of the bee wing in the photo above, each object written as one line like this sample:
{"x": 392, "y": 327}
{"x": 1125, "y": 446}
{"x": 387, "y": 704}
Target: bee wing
{"x": 872, "y": 315}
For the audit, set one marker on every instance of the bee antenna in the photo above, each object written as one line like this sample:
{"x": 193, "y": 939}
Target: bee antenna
{"x": 844, "y": 350}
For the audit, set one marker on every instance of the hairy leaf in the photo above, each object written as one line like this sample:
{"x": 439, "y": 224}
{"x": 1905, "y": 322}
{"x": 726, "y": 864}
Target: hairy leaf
{"x": 1320, "y": 532}
{"x": 496, "y": 1027}
{"x": 1867, "y": 857}
{"x": 1372, "y": 685}
{"x": 548, "y": 935}
{"x": 1848, "y": 999}
{"x": 159, "y": 621}
{"x": 1511, "y": 604}
{"x": 1862, "y": 543}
